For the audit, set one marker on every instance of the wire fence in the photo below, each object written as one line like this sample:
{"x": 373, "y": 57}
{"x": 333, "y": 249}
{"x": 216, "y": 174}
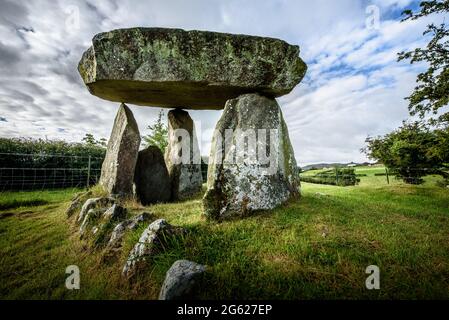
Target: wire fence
{"x": 377, "y": 174}
{"x": 21, "y": 172}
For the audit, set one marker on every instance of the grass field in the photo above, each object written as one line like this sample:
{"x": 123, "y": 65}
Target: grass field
{"x": 318, "y": 247}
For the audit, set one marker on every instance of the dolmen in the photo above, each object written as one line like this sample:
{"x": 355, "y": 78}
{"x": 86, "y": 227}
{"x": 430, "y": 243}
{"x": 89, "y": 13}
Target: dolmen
{"x": 251, "y": 167}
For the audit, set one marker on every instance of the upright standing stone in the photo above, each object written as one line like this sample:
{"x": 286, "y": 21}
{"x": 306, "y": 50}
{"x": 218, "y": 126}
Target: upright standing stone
{"x": 151, "y": 177}
{"x": 247, "y": 174}
{"x": 182, "y": 155}
{"x": 117, "y": 171}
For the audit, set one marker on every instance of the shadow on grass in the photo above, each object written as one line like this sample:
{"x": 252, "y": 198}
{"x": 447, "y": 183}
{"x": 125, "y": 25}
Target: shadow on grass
{"x": 13, "y": 204}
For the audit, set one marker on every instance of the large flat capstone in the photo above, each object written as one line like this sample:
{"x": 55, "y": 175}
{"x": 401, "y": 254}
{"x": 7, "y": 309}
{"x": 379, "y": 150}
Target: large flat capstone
{"x": 193, "y": 69}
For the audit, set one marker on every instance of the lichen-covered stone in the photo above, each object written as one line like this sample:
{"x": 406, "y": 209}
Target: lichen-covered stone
{"x": 185, "y": 171}
{"x": 117, "y": 171}
{"x": 153, "y": 239}
{"x": 77, "y": 202}
{"x": 238, "y": 188}
{"x": 102, "y": 203}
{"x": 181, "y": 280}
{"x": 151, "y": 177}
{"x": 90, "y": 218}
{"x": 115, "y": 241}
{"x": 115, "y": 213}
{"x": 193, "y": 69}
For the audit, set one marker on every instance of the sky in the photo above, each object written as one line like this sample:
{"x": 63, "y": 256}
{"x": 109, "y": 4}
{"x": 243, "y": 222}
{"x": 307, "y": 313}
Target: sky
{"x": 354, "y": 86}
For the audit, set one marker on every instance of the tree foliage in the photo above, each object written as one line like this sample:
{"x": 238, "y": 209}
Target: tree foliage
{"x": 40, "y": 153}
{"x": 432, "y": 90}
{"x": 158, "y": 135}
{"x": 90, "y": 140}
{"x": 412, "y": 151}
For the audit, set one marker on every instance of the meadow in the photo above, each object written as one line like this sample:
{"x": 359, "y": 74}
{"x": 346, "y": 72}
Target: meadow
{"x": 316, "y": 248}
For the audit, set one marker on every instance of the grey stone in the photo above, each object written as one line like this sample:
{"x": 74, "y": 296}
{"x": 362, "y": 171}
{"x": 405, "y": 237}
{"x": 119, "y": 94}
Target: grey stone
{"x": 151, "y": 177}
{"x": 115, "y": 213}
{"x": 77, "y": 202}
{"x": 117, "y": 234}
{"x": 239, "y": 188}
{"x": 74, "y": 206}
{"x": 184, "y": 166}
{"x": 117, "y": 171}
{"x": 91, "y": 216}
{"x": 153, "y": 239}
{"x": 103, "y": 202}
{"x": 180, "y": 280}
{"x": 101, "y": 218}
{"x": 196, "y": 69}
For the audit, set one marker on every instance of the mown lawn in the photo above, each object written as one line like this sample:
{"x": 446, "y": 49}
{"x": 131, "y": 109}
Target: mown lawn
{"x": 318, "y": 247}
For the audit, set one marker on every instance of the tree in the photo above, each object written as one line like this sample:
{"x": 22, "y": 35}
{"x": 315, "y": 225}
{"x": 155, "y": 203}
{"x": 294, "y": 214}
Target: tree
{"x": 412, "y": 151}
{"x": 432, "y": 90}
{"x": 90, "y": 140}
{"x": 158, "y": 135}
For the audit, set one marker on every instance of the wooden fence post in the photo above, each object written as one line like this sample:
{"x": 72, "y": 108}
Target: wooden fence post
{"x": 388, "y": 178}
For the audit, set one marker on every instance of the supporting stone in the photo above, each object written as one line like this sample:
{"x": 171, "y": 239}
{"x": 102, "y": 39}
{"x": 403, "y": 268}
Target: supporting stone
{"x": 151, "y": 177}
{"x": 117, "y": 171}
{"x": 252, "y": 169}
{"x": 182, "y": 156}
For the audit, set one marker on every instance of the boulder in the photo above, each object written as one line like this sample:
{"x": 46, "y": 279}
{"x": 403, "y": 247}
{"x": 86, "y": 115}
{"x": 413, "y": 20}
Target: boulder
{"x": 115, "y": 213}
{"x": 196, "y": 69}
{"x": 100, "y": 221}
{"x": 180, "y": 280}
{"x": 153, "y": 239}
{"x": 102, "y": 203}
{"x": 252, "y": 166}
{"x": 90, "y": 219}
{"x": 74, "y": 206}
{"x": 151, "y": 177}
{"x": 182, "y": 156}
{"x": 117, "y": 171}
{"x": 115, "y": 241}
{"x": 77, "y": 202}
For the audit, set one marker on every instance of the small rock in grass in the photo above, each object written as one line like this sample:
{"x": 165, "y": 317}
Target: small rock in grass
{"x": 115, "y": 213}
{"x": 320, "y": 194}
{"x": 77, "y": 202}
{"x": 103, "y": 202}
{"x": 180, "y": 280}
{"x": 89, "y": 217}
{"x": 117, "y": 234}
{"x": 153, "y": 239}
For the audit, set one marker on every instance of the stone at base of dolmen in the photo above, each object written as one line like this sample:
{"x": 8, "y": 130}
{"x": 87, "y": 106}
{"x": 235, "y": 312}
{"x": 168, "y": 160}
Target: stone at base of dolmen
{"x": 184, "y": 169}
{"x": 151, "y": 177}
{"x": 117, "y": 171}
{"x": 237, "y": 188}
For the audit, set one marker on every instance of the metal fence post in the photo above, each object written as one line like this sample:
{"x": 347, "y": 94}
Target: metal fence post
{"x": 88, "y": 172}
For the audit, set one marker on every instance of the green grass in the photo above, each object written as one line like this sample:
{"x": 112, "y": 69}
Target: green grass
{"x": 318, "y": 247}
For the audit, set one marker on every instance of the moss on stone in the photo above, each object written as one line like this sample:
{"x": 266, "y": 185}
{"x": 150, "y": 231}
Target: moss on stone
{"x": 165, "y": 59}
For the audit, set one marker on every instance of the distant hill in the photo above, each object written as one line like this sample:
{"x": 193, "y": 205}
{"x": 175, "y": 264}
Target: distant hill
{"x": 333, "y": 165}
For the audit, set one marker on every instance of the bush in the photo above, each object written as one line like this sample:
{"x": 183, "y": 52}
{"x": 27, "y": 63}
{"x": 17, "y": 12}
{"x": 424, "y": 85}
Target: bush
{"x": 337, "y": 177}
{"x": 32, "y": 164}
